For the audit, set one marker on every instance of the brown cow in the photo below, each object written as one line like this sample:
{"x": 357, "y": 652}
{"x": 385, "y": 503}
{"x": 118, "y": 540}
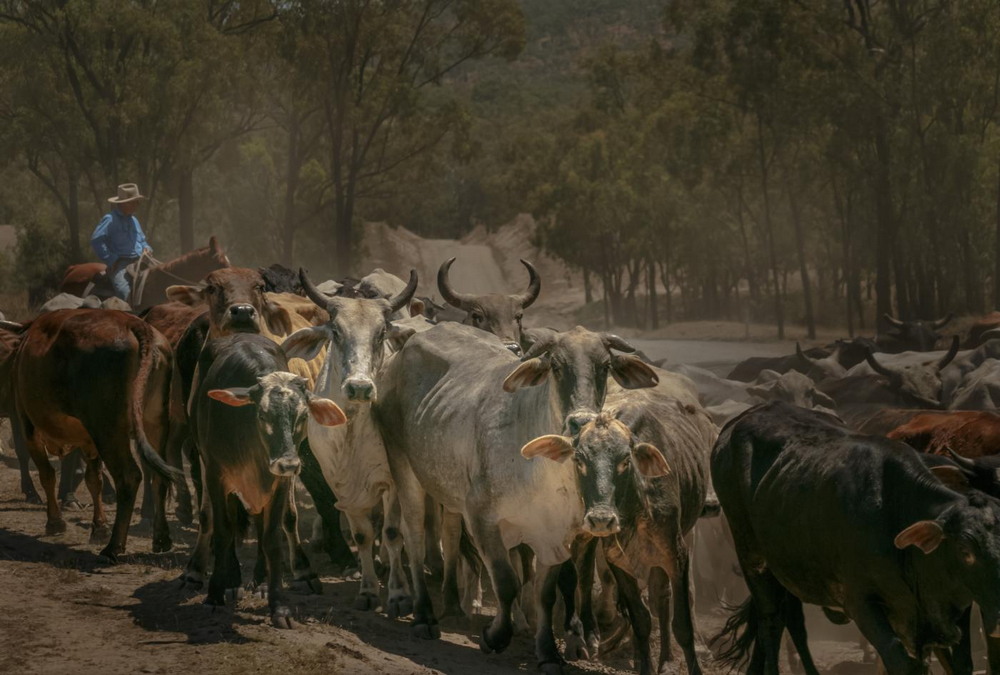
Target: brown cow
{"x": 237, "y": 303}
{"x": 97, "y": 380}
{"x": 965, "y": 432}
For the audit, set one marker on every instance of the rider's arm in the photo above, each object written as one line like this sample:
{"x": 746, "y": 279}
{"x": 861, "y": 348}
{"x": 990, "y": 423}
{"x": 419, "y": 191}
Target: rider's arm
{"x": 141, "y": 236}
{"x": 99, "y": 242}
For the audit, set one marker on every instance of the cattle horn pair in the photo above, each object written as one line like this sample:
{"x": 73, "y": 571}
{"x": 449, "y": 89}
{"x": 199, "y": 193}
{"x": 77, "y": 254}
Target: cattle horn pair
{"x": 937, "y": 324}
{"x": 894, "y": 376}
{"x": 464, "y": 301}
{"x": 396, "y": 303}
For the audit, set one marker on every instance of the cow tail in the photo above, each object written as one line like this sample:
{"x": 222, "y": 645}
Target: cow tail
{"x": 736, "y": 639}
{"x": 146, "y": 452}
{"x": 468, "y": 549}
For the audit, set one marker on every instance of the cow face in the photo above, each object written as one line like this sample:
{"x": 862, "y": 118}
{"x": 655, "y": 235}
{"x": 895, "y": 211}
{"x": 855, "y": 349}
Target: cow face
{"x": 236, "y": 303}
{"x": 493, "y": 313}
{"x": 922, "y": 381}
{"x": 580, "y": 361}
{"x": 283, "y": 404}
{"x": 795, "y": 388}
{"x": 916, "y": 335}
{"x": 966, "y": 535}
{"x": 383, "y": 285}
{"x": 611, "y": 468}
{"x": 356, "y": 332}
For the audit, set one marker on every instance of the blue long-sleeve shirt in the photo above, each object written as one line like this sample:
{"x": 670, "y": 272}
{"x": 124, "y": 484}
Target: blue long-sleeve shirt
{"x": 118, "y": 236}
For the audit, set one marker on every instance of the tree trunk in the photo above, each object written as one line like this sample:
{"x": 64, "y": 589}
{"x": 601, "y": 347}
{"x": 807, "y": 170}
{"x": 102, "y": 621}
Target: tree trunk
{"x": 779, "y": 311}
{"x": 886, "y": 231}
{"x": 800, "y": 244}
{"x": 996, "y": 252}
{"x": 73, "y": 217}
{"x": 588, "y": 291}
{"x": 185, "y": 207}
{"x": 654, "y": 321}
{"x": 291, "y": 187}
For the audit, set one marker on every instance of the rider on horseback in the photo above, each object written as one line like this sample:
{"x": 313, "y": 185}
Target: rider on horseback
{"x": 118, "y": 239}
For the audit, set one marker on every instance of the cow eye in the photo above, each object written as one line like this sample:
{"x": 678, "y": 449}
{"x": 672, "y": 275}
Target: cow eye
{"x": 581, "y": 466}
{"x": 624, "y": 465}
{"x": 210, "y": 290}
{"x": 478, "y": 318}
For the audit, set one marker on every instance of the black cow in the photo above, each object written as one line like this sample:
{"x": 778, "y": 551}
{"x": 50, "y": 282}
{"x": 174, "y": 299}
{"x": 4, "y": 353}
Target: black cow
{"x": 857, "y": 525}
{"x": 249, "y": 418}
{"x": 910, "y": 336}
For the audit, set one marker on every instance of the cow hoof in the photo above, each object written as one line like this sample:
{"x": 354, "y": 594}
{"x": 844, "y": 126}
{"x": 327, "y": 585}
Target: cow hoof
{"x": 213, "y": 602}
{"x": 234, "y": 595}
{"x": 488, "y": 646}
{"x": 593, "y": 640}
{"x": 426, "y": 631}
{"x": 576, "y": 648}
{"x": 162, "y": 545}
{"x": 550, "y": 668}
{"x": 184, "y": 514}
{"x": 55, "y": 527}
{"x": 109, "y": 554}
{"x": 401, "y": 605}
{"x": 282, "y": 618}
{"x": 71, "y": 504}
{"x": 100, "y": 535}
{"x": 310, "y": 585}
{"x": 366, "y": 602}
{"x": 32, "y": 497}
{"x": 191, "y": 581}
{"x": 259, "y": 591}
{"x": 454, "y": 612}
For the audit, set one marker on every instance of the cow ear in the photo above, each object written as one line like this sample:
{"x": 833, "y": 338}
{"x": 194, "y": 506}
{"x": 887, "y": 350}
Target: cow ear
{"x": 279, "y": 322}
{"x": 926, "y": 535}
{"x": 951, "y": 476}
{"x": 192, "y": 296}
{"x": 417, "y": 307}
{"x": 235, "y": 396}
{"x": 762, "y": 392}
{"x": 306, "y": 343}
{"x": 531, "y": 373}
{"x": 650, "y": 460}
{"x": 631, "y": 372}
{"x": 398, "y": 335}
{"x": 213, "y": 245}
{"x": 553, "y": 446}
{"x": 326, "y": 412}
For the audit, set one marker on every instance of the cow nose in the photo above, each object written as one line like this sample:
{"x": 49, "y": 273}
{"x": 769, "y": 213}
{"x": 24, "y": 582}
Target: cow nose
{"x": 602, "y": 523}
{"x": 287, "y": 465}
{"x": 242, "y": 312}
{"x": 359, "y": 390}
{"x": 577, "y": 420}
{"x": 514, "y": 347}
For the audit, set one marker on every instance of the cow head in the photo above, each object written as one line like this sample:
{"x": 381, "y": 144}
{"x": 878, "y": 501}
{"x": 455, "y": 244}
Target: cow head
{"x": 611, "y": 468}
{"x": 916, "y": 335}
{"x": 283, "y": 403}
{"x": 792, "y": 387}
{"x": 236, "y": 303}
{"x": 356, "y": 332}
{"x": 921, "y": 381}
{"x": 494, "y": 313}
{"x": 821, "y": 369}
{"x": 964, "y": 537}
{"x": 579, "y": 362}
{"x": 385, "y": 285}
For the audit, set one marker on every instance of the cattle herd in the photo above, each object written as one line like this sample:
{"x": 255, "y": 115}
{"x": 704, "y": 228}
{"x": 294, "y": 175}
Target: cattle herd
{"x": 557, "y": 466}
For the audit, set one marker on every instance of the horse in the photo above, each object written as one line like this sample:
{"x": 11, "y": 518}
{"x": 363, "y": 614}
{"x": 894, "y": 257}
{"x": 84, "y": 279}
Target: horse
{"x": 187, "y": 269}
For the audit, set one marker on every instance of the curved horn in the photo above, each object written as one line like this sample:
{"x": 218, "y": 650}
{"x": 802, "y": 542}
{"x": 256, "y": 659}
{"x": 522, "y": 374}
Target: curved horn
{"x": 404, "y": 297}
{"x": 802, "y": 355}
{"x": 541, "y": 346}
{"x": 940, "y": 323}
{"x": 950, "y": 355}
{"x": 313, "y": 293}
{"x": 534, "y": 286}
{"x": 893, "y": 320}
{"x": 459, "y": 300}
{"x": 612, "y": 341}
{"x": 963, "y": 462}
{"x": 879, "y": 368}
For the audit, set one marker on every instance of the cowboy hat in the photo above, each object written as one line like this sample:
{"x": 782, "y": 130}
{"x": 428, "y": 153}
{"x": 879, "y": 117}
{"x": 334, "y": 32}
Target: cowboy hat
{"x": 127, "y": 192}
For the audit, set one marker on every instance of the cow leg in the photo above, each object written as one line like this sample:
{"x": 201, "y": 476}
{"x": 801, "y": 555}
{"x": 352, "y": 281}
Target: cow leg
{"x": 522, "y": 558}
{"x": 451, "y": 538}
{"x": 197, "y": 567}
{"x": 226, "y": 575}
{"x": 127, "y": 478}
{"x": 585, "y": 555}
{"x": 412, "y": 502}
{"x": 962, "y": 654}
{"x": 23, "y": 456}
{"x": 326, "y": 507}
{"x": 871, "y": 619}
{"x": 400, "y": 600}
{"x": 576, "y": 646}
{"x": 197, "y": 469}
{"x": 54, "y": 523}
{"x": 546, "y": 651}
{"x": 432, "y": 526}
{"x": 99, "y": 532}
{"x": 269, "y": 534}
{"x": 795, "y": 621}
{"x": 183, "y": 510}
{"x": 684, "y": 626}
{"x": 497, "y": 635}
{"x": 638, "y": 616}
{"x": 767, "y": 597}
{"x": 304, "y": 580}
{"x": 70, "y": 477}
{"x": 161, "y": 531}
{"x": 659, "y": 598}
{"x": 363, "y": 531}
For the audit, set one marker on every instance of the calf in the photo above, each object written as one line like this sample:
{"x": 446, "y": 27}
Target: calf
{"x": 98, "y": 380}
{"x": 642, "y": 470}
{"x": 249, "y": 416}
{"x": 898, "y": 552}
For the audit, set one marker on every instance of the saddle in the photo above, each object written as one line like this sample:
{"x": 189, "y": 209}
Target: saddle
{"x": 136, "y": 272}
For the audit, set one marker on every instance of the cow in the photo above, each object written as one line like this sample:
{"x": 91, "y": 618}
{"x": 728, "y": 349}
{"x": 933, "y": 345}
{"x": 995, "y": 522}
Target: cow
{"x": 97, "y": 380}
{"x": 493, "y": 312}
{"x": 903, "y": 336}
{"x": 352, "y": 457}
{"x": 981, "y": 327}
{"x": 979, "y": 389}
{"x": 822, "y": 368}
{"x": 280, "y": 279}
{"x": 642, "y": 470}
{"x": 813, "y": 362}
{"x": 236, "y": 302}
{"x": 899, "y": 552}
{"x": 381, "y": 284}
{"x": 455, "y": 407}
{"x": 966, "y": 433}
{"x": 249, "y": 417}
